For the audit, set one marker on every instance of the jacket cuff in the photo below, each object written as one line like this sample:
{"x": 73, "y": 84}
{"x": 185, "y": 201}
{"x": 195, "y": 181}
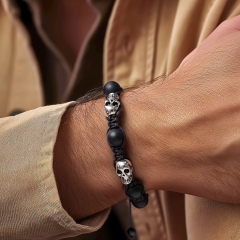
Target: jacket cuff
{"x": 31, "y": 206}
{"x": 88, "y": 225}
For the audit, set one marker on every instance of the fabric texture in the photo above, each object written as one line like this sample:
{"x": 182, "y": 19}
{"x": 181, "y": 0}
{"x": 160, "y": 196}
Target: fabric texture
{"x": 31, "y": 205}
{"x": 140, "y": 40}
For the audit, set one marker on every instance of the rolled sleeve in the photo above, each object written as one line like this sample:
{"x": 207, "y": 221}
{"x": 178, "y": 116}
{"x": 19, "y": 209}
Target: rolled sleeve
{"x": 30, "y": 206}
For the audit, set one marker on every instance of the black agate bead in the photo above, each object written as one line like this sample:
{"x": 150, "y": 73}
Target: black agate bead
{"x": 115, "y": 137}
{"x": 135, "y": 191}
{"x": 131, "y": 233}
{"x": 140, "y": 202}
{"x": 111, "y": 87}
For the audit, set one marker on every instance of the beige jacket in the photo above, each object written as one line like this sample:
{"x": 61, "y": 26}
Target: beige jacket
{"x": 144, "y": 39}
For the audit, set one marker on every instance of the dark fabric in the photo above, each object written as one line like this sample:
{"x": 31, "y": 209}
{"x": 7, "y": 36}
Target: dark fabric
{"x": 90, "y": 73}
{"x": 43, "y": 55}
{"x": 111, "y": 230}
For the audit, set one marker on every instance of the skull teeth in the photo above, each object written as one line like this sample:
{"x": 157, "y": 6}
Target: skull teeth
{"x": 112, "y": 107}
{"x": 124, "y": 171}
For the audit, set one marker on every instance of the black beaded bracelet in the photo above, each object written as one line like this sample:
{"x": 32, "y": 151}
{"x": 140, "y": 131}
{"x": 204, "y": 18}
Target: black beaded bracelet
{"x": 116, "y": 139}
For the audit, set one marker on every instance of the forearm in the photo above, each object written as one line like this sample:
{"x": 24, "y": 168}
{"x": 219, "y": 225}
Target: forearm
{"x": 83, "y": 160}
{"x": 83, "y": 163}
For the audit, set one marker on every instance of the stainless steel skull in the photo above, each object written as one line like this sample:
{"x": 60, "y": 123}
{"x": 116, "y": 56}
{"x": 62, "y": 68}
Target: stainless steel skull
{"x": 124, "y": 171}
{"x": 112, "y": 104}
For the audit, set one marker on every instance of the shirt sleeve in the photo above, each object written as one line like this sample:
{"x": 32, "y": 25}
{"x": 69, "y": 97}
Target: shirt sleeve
{"x": 30, "y": 206}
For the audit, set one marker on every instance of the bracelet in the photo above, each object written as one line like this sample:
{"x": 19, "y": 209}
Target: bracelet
{"x": 116, "y": 137}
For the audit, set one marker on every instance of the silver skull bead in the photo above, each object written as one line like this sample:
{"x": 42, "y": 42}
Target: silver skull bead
{"x": 112, "y": 104}
{"x": 124, "y": 171}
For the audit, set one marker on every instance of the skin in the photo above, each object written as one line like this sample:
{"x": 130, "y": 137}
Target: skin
{"x": 183, "y": 133}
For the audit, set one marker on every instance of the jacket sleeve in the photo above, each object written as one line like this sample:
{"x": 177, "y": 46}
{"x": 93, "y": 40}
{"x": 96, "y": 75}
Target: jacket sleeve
{"x": 30, "y": 206}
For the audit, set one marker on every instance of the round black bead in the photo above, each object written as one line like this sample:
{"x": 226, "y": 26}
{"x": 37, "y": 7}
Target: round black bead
{"x": 131, "y": 232}
{"x": 134, "y": 191}
{"x": 141, "y": 202}
{"x": 111, "y": 87}
{"x": 115, "y": 137}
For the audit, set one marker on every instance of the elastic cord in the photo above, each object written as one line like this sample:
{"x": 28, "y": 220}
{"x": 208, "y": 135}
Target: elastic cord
{"x": 131, "y": 230}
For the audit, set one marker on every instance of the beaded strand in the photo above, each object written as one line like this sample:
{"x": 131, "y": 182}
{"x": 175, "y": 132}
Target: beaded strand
{"x": 116, "y": 137}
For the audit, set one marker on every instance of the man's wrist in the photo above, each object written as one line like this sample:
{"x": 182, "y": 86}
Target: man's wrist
{"x": 83, "y": 162}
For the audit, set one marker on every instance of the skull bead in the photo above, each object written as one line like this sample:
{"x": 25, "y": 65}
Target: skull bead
{"x": 124, "y": 171}
{"x": 112, "y": 104}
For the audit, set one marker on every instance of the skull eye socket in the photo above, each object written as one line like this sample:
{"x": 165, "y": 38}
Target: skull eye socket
{"x": 119, "y": 172}
{"x": 107, "y": 103}
{"x": 126, "y": 171}
{"x": 115, "y": 104}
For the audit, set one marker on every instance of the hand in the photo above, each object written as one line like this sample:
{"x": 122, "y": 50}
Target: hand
{"x": 190, "y": 121}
